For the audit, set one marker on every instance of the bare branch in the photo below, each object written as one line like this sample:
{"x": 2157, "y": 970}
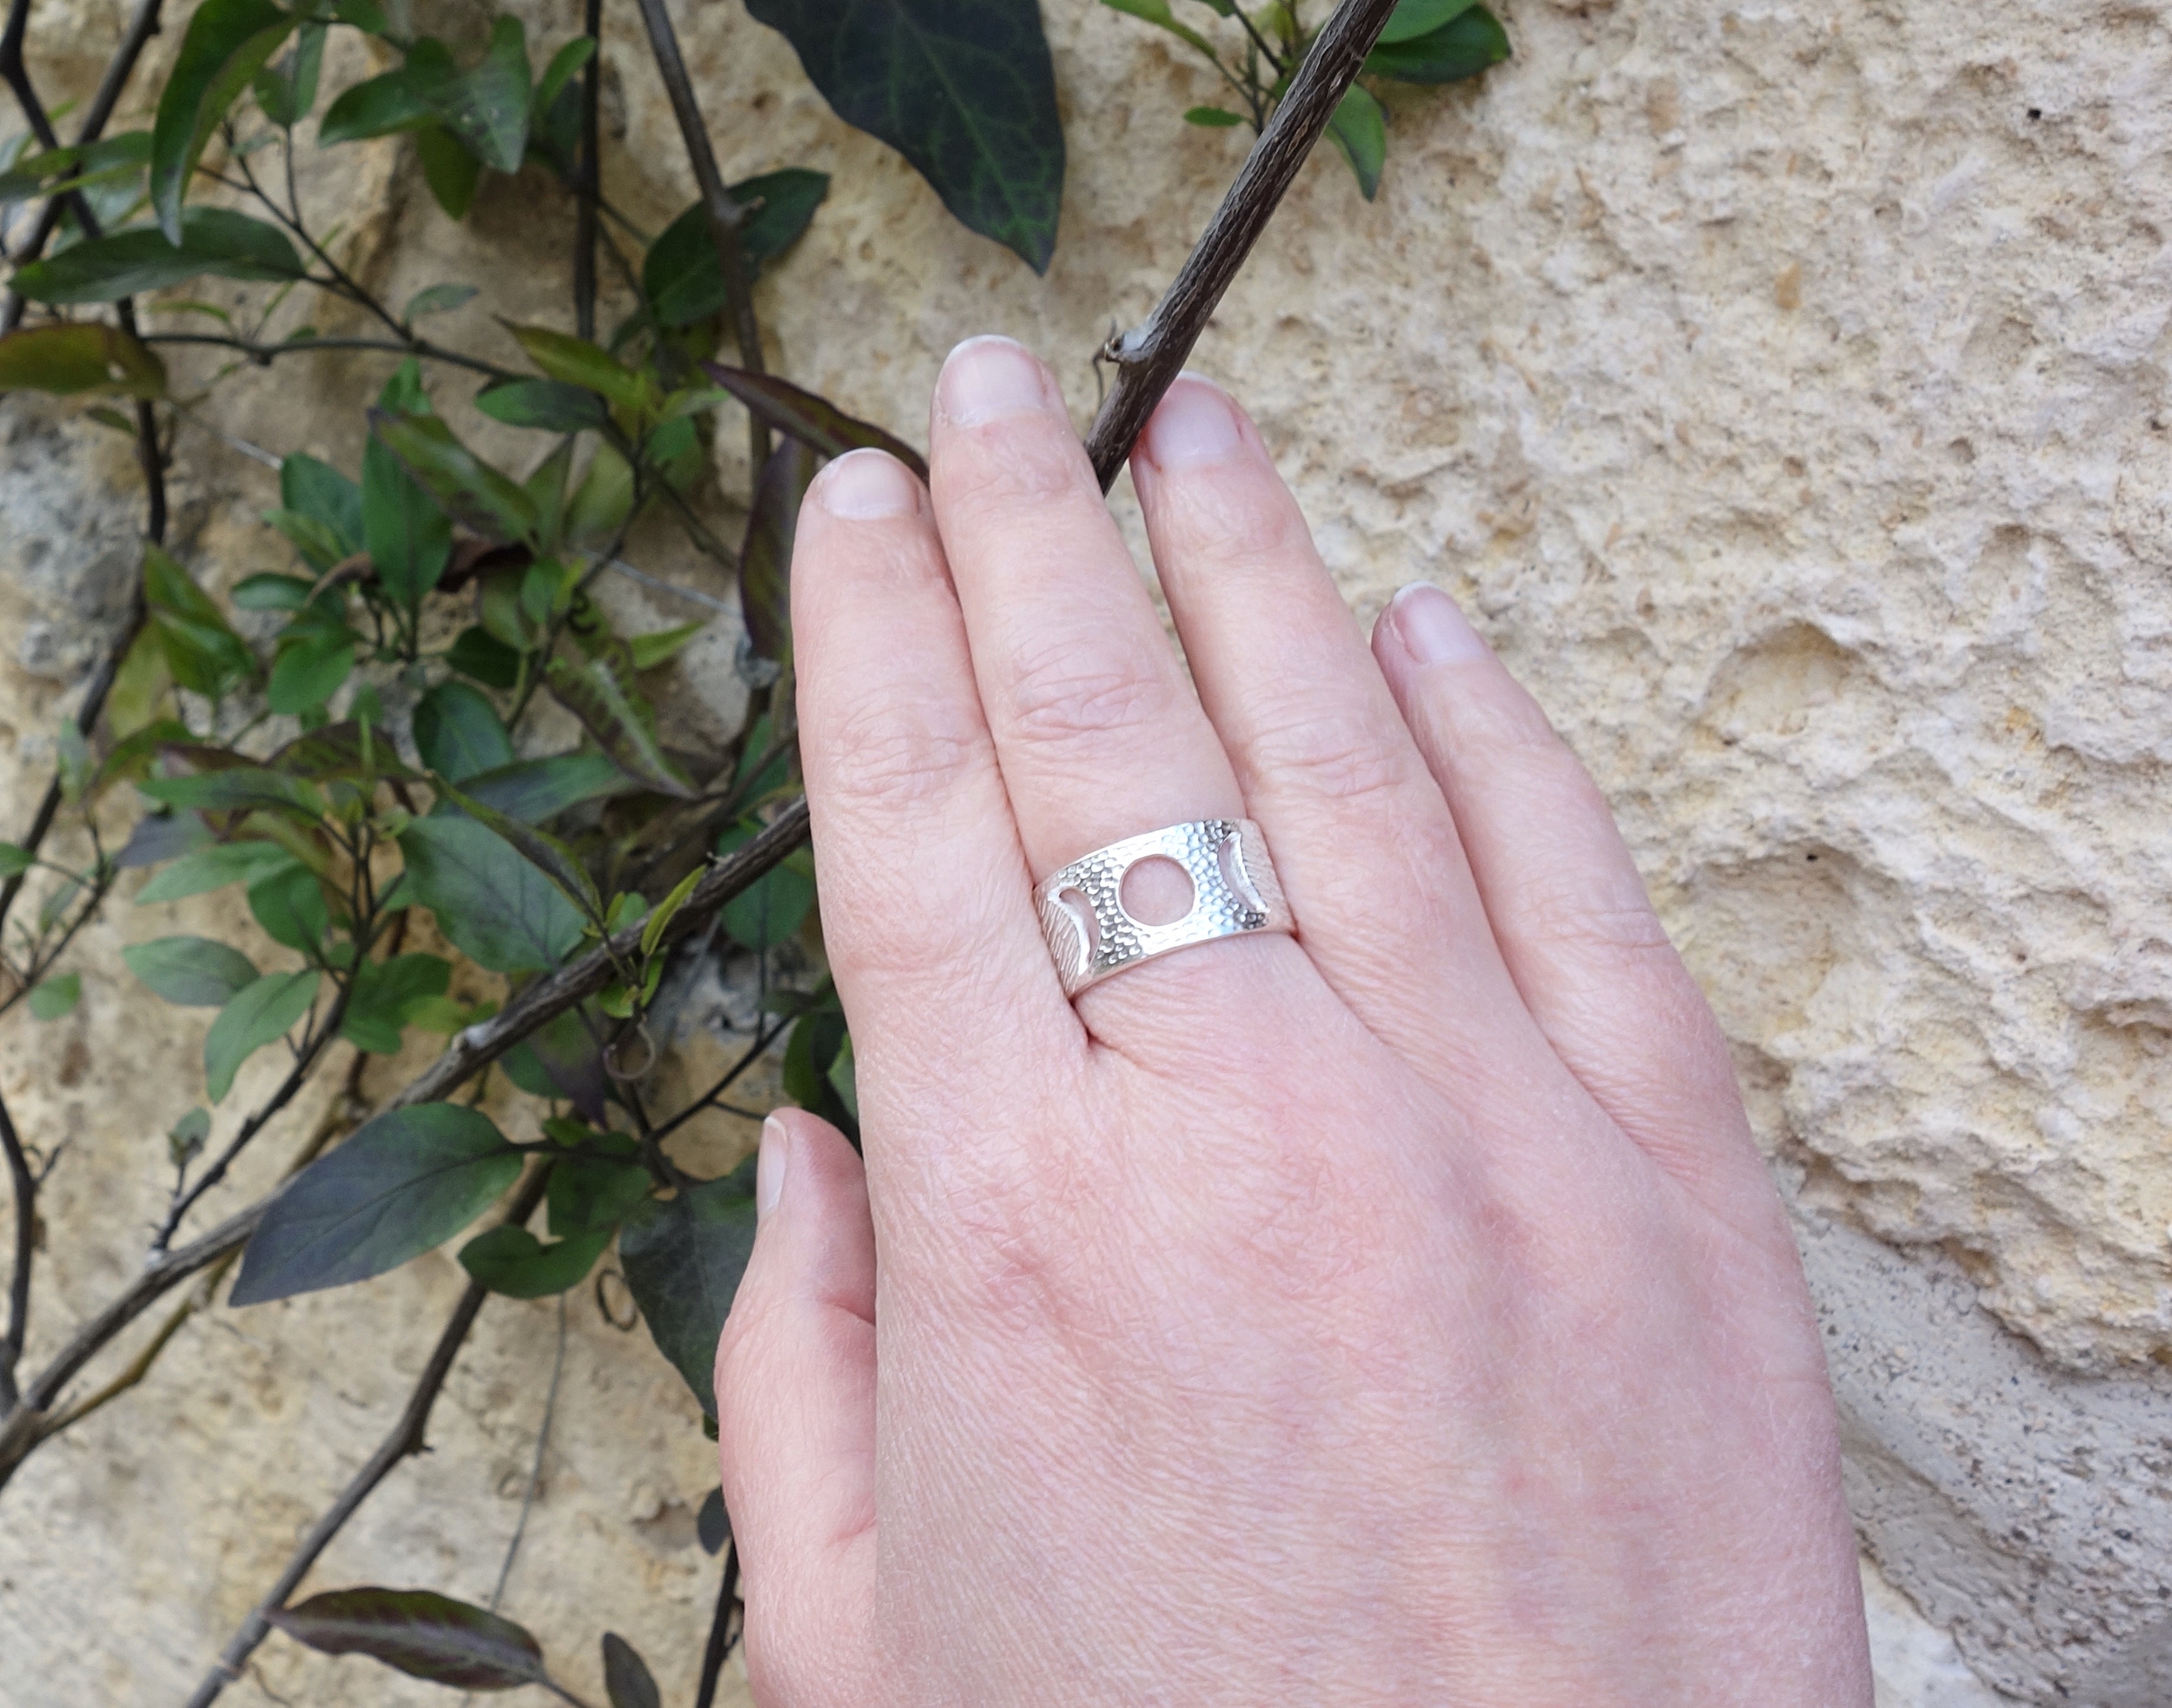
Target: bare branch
{"x": 407, "y": 1437}
{"x": 25, "y": 1189}
{"x": 1152, "y": 355}
{"x": 726, "y": 216}
{"x": 587, "y": 175}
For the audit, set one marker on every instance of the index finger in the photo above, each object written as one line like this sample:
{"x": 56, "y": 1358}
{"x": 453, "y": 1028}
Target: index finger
{"x": 927, "y": 908}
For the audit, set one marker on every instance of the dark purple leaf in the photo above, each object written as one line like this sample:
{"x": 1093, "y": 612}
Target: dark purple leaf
{"x": 420, "y": 1633}
{"x": 765, "y": 558}
{"x": 815, "y": 421}
{"x": 626, "y": 1676}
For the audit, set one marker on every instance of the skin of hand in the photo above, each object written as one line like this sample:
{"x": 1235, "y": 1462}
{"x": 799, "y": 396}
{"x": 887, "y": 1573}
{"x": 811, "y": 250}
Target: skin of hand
{"x": 1397, "y": 1314}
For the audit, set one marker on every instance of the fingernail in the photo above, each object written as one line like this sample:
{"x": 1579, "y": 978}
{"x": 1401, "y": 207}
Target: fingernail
{"x": 769, "y": 1169}
{"x": 861, "y": 485}
{"x": 1194, "y": 423}
{"x": 988, "y": 377}
{"x": 1432, "y": 630}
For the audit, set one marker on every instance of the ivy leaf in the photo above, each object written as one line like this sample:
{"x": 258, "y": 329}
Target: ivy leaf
{"x": 962, "y": 88}
{"x": 1412, "y": 18}
{"x": 319, "y": 492}
{"x": 595, "y": 692}
{"x": 85, "y": 356}
{"x": 496, "y": 907}
{"x": 1462, "y": 48}
{"x": 227, "y": 43}
{"x": 1360, "y": 130}
{"x": 449, "y": 168}
{"x": 458, "y": 731}
{"x": 514, "y": 1262}
{"x": 378, "y": 107}
{"x": 309, "y": 669}
{"x": 386, "y": 997}
{"x": 626, "y": 1680}
{"x": 765, "y": 554}
{"x": 537, "y": 791}
{"x": 550, "y": 405}
{"x": 486, "y": 108}
{"x": 815, "y": 421}
{"x": 216, "y": 241}
{"x": 193, "y": 972}
{"x": 56, "y": 997}
{"x": 407, "y": 536}
{"x": 436, "y": 300}
{"x": 680, "y": 275}
{"x": 257, "y": 1015}
{"x": 470, "y": 489}
{"x": 408, "y": 1181}
{"x": 683, "y": 1259}
{"x": 418, "y": 1631}
{"x": 213, "y": 868}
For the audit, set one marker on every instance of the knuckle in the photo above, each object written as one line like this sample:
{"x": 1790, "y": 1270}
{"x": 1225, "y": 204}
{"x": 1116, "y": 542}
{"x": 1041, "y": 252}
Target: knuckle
{"x": 1608, "y": 912}
{"x": 1338, "y": 758}
{"x": 1064, "y": 693}
{"x": 887, "y": 753}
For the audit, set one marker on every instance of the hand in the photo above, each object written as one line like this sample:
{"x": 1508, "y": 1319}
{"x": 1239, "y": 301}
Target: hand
{"x": 1399, "y": 1313}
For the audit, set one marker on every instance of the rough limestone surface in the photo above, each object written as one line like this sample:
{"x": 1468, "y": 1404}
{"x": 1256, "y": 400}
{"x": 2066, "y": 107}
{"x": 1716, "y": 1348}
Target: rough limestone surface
{"x": 1782, "y": 387}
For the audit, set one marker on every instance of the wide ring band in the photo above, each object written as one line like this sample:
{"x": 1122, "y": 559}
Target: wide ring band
{"x": 1234, "y": 892}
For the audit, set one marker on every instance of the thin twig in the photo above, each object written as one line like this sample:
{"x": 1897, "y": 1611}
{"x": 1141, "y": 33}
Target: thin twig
{"x": 726, "y": 215}
{"x": 721, "y": 1636}
{"x": 588, "y": 175}
{"x": 407, "y": 1437}
{"x": 25, "y": 1189}
{"x": 1152, "y": 355}
{"x": 264, "y": 354}
{"x": 535, "y": 1470}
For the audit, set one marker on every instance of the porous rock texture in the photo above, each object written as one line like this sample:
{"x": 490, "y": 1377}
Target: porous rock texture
{"x": 1782, "y": 389}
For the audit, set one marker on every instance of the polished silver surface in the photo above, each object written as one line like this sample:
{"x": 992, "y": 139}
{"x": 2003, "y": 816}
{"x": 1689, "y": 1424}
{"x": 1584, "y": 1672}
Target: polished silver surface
{"x": 1233, "y": 893}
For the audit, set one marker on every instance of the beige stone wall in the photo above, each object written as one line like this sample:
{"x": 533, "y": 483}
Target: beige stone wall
{"x": 1783, "y": 387}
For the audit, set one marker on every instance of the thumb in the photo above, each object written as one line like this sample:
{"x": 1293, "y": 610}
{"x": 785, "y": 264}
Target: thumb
{"x": 796, "y": 1420}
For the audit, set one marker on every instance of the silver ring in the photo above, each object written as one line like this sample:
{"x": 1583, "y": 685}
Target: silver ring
{"x": 1234, "y": 892}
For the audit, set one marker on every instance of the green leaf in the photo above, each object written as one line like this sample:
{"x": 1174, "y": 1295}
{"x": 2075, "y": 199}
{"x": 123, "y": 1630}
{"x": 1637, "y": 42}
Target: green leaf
{"x": 514, "y": 1262}
{"x": 470, "y": 490}
{"x": 488, "y": 106}
{"x": 213, "y": 868}
{"x": 436, "y": 300}
{"x": 377, "y": 107}
{"x": 127, "y": 263}
{"x": 815, "y": 421}
{"x": 408, "y": 1181}
{"x": 194, "y": 972}
{"x": 289, "y": 905}
{"x": 57, "y": 171}
{"x": 496, "y": 907}
{"x": 552, "y": 857}
{"x": 475, "y": 651}
{"x": 602, "y": 502}
{"x": 817, "y": 1039}
{"x": 257, "y": 1015}
{"x": 962, "y": 88}
{"x": 712, "y": 1525}
{"x": 387, "y": 996}
{"x": 56, "y": 997}
{"x": 458, "y": 732}
{"x": 683, "y": 1258}
{"x": 653, "y": 932}
{"x": 318, "y": 545}
{"x": 537, "y": 791}
{"x": 14, "y": 860}
{"x": 550, "y": 405}
{"x": 201, "y": 649}
{"x": 561, "y": 1060}
{"x": 1412, "y": 18}
{"x": 680, "y": 275}
{"x": 1360, "y": 130}
{"x": 589, "y": 1195}
{"x": 185, "y": 1137}
{"x": 407, "y": 536}
{"x": 273, "y": 593}
{"x": 765, "y": 553}
{"x": 417, "y": 1631}
{"x": 561, "y": 71}
{"x": 308, "y": 671}
{"x": 1462, "y": 48}
{"x": 775, "y": 905}
{"x": 577, "y": 362}
{"x": 843, "y": 1077}
{"x": 227, "y": 43}
{"x": 596, "y": 692}
{"x": 449, "y": 168}
{"x": 1157, "y": 13}
{"x": 626, "y": 1675}
{"x": 651, "y": 650}
{"x": 286, "y": 91}
{"x": 85, "y": 356}
{"x": 319, "y": 492}
{"x": 236, "y": 789}
{"x": 1210, "y": 118}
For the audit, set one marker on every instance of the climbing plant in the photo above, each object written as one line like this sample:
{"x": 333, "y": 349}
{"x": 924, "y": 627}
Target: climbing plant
{"x": 354, "y": 742}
